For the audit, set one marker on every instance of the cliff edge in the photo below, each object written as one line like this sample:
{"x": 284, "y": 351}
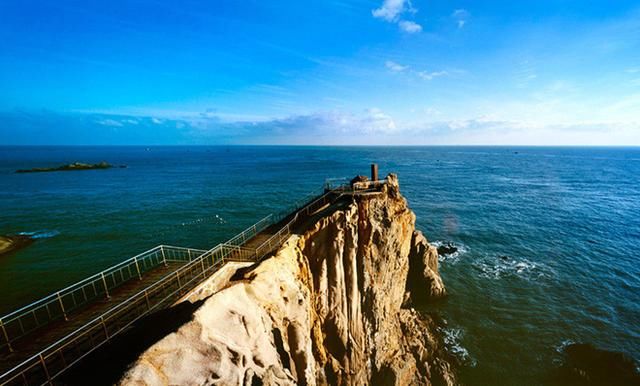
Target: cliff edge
{"x": 330, "y": 307}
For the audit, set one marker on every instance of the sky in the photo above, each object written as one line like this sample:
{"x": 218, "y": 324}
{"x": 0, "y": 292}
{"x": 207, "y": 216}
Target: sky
{"x": 331, "y": 72}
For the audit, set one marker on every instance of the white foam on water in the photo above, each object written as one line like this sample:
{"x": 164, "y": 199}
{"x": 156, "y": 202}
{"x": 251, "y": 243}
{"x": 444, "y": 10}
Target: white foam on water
{"x": 453, "y": 343}
{"x": 497, "y": 267}
{"x": 216, "y": 219}
{"x": 559, "y": 349}
{"x": 43, "y": 234}
{"x": 454, "y": 257}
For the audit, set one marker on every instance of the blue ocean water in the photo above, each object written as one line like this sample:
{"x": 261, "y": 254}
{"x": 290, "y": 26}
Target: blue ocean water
{"x": 548, "y": 237}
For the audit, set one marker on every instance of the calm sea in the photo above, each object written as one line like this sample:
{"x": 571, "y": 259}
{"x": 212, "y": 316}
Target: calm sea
{"x": 548, "y": 238}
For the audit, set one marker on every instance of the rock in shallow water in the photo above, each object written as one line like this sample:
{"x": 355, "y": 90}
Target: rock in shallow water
{"x": 447, "y": 249}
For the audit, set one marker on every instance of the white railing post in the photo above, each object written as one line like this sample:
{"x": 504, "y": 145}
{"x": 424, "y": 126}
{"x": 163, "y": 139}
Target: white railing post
{"x": 6, "y": 336}
{"x": 104, "y": 326}
{"x": 146, "y": 296}
{"x": 104, "y": 282}
{"x": 138, "y": 268}
{"x": 164, "y": 258}
{"x": 62, "y": 306}
{"x": 46, "y": 370}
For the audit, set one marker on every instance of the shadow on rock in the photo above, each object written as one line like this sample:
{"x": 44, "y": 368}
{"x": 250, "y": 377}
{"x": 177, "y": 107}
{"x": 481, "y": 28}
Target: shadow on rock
{"x": 108, "y": 364}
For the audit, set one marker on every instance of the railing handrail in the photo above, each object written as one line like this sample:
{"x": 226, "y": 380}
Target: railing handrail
{"x": 293, "y": 220}
{"x": 267, "y": 218}
{"x": 65, "y": 290}
{"x": 116, "y": 307}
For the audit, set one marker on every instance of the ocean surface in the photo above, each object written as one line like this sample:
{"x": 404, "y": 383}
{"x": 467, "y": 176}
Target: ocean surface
{"x": 548, "y": 238}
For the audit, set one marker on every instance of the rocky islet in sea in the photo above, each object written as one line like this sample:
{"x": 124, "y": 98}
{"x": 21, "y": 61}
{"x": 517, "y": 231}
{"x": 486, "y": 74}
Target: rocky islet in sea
{"x": 70, "y": 167}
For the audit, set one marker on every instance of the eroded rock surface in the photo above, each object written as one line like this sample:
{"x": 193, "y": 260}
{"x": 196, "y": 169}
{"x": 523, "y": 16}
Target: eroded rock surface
{"x": 12, "y": 243}
{"x": 325, "y": 310}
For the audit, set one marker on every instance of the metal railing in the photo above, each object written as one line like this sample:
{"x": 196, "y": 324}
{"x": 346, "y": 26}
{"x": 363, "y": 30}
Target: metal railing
{"x": 52, "y": 361}
{"x": 251, "y": 232}
{"x": 285, "y": 231}
{"x": 60, "y": 304}
{"x": 49, "y": 363}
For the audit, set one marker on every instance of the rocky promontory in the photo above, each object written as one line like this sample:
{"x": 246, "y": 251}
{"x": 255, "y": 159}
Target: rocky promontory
{"x": 332, "y": 306}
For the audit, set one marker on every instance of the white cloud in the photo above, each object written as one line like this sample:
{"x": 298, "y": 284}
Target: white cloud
{"x": 390, "y": 10}
{"x": 395, "y": 67}
{"x": 409, "y": 26}
{"x": 431, "y": 75}
{"x": 376, "y": 121}
{"x": 461, "y": 16}
{"x": 425, "y": 75}
{"x": 341, "y": 127}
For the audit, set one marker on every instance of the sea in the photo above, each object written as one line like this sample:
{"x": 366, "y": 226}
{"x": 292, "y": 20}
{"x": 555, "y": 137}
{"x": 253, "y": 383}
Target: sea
{"x": 547, "y": 237}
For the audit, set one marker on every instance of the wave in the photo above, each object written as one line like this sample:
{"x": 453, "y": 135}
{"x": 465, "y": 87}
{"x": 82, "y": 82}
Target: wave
{"x": 43, "y": 234}
{"x": 454, "y": 257}
{"x": 497, "y": 267}
{"x": 453, "y": 344}
{"x": 560, "y": 347}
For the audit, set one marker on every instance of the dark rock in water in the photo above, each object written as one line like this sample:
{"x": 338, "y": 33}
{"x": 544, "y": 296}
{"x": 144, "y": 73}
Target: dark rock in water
{"x": 504, "y": 257}
{"x": 590, "y": 366}
{"x": 73, "y": 166}
{"x": 447, "y": 249}
{"x": 357, "y": 179}
{"x": 11, "y": 243}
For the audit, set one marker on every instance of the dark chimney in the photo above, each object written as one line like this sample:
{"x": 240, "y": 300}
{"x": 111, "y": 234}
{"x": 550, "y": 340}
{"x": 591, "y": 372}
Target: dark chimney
{"x": 374, "y": 172}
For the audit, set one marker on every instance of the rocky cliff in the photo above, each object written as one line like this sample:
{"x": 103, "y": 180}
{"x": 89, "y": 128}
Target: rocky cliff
{"x": 330, "y": 307}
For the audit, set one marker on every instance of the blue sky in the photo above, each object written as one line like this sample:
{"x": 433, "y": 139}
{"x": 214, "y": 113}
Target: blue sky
{"x": 323, "y": 72}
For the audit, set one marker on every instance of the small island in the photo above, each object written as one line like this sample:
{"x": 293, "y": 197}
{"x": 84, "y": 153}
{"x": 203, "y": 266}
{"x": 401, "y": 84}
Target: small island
{"x": 11, "y": 243}
{"x": 68, "y": 167}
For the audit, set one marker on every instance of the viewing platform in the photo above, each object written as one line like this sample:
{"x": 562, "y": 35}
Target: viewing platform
{"x": 42, "y": 340}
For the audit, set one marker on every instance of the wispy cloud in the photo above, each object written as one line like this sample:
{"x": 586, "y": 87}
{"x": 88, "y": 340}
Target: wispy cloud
{"x": 392, "y": 11}
{"x": 422, "y": 74}
{"x": 431, "y": 75}
{"x": 461, "y": 16}
{"x": 409, "y": 26}
{"x": 395, "y": 67}
{"x": 110, "y": 122}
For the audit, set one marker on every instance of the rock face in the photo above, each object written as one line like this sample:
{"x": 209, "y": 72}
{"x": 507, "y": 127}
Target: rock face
{"x": 326, "y": 309}
{"x": 424, "y": 281}
{"x": 12, "y": 243}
